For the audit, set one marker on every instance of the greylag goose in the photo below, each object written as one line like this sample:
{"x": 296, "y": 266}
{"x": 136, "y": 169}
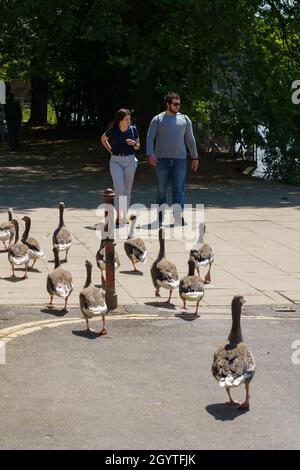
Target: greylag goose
{"x": 7, "y": 230}
{"x": 91, "y": 299}
{"x": 18, "y": 253}
{"x": 59, "y": 282}
{"x": 203, "y": 254}
{"x": 233, "y": 363}
{"x": 191, "y": 287}
{"x": 135, "y": 248}
{"x": 100, "y": 255}
{"x": 61, "y": 237}
{"x": 33, "y": 245}
{"x": 163, "y": 272}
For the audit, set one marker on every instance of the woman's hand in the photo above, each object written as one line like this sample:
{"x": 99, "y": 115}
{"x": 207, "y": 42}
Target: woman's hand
{"x": 130, "y": 142}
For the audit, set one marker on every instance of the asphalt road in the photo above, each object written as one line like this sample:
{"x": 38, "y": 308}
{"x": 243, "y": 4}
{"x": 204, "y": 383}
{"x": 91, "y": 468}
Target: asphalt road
{"x": 146, "y": 385}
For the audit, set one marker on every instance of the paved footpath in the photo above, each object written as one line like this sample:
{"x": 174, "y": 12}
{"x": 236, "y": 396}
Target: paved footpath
{"x": 253, "y": 227}
{"x": 147, "y": 384}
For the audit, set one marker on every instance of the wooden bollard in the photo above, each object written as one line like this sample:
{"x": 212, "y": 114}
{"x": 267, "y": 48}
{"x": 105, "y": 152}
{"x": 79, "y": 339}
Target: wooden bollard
{"x": 111, "y": 297}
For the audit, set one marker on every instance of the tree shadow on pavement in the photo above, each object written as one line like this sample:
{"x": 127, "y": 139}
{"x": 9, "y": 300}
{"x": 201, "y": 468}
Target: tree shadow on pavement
{"x": 223, "y": 412}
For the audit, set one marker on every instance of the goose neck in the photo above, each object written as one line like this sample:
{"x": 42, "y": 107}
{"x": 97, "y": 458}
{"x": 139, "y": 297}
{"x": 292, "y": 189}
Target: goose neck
{"x": 88, "y": 276}
{"x": 27, "y": 229}
{"x": 162, "y": 250}
{"x": 191, "y": 268}
{"x": 16, "y": 232}
{"x": 201, "y": 234}
{"x": 132, "y": 226}
{"x": 61, "y": 216}
{"x": 56, "y": 258}
{"x": 235, "y": 335}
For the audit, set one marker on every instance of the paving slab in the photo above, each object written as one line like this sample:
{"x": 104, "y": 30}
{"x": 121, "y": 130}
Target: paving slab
{"x": 255, "y": 240}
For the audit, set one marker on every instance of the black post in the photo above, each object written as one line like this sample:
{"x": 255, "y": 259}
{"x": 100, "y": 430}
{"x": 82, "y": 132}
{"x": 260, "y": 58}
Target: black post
{"x": 111, "y": 297}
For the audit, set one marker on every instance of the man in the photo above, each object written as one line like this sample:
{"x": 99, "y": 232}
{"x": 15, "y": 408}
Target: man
{"x": 13, "y": 116}
{"x": 169, "y": 134}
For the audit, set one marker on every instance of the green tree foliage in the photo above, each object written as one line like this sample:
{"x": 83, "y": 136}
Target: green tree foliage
{"x": 233, "y": 62}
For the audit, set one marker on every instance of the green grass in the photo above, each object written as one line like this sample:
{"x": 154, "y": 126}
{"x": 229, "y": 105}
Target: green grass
{"x": 51, "y": 116}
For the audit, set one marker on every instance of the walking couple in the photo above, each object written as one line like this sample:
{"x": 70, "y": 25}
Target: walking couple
{"x": 169, "y": 135}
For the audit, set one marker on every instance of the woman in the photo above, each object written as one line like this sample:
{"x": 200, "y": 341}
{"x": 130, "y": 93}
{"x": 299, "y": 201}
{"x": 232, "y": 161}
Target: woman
{"x": 121, "y": 140}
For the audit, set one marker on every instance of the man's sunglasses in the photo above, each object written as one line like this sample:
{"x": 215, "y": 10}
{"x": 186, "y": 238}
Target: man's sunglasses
{"x": 175, "y": 104}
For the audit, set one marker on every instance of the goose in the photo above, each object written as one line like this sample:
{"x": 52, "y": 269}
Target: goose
{"x": 203, "y": 254}
{"x": 33, "y": 245}
{"x": 18, "y": 253}
{"x": 164, "y": 272}
{"x": 61, "y": 237}
{"x": 135, "y": 248}
{"x": 100, "y": 255}
{"x": 233, "y": 363}
{"x": 7, "y": 230}
{"x": 59, "y": 282}
{"x": 91, "y": 300}
{"x": 191, "y": 287}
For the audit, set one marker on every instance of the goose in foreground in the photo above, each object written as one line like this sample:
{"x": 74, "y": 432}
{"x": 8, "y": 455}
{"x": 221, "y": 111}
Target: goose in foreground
{"x": 7, "y": 230}
{"x": 203, "y": 254}
{"x": 33, "y": 245}
{"x": 91, "y": 299}
{"x": 18, "y": 253}
{"x": 163, "y": 272}
{"x": 135, "y": 248}
{"x": 59, "y": 282}
{"x": 100, "y": 255}
{"x": 61, "y": 237}
{"x": 233, "y": 363}
{"x": 191, "y": 287}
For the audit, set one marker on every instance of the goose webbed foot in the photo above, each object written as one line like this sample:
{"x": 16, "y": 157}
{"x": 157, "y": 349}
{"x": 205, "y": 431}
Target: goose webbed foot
{"x": 136, "y": 270}
{"x": 31, "y": 267}
{"x": 157, "y": 293}
{"x": 231, "y": 402}
{"x": 103, "y": 332}
{"x": 197, "y": 307}
{"x": 169, "y": 298}
{"x": 90, "y": 330}
{"x": 243, "y": 406}
{"x": 207, "y": 279}
{"x": 64, "y": 309}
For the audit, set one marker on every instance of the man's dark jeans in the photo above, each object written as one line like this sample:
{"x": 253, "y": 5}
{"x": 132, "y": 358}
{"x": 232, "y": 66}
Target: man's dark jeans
{"x": 174, "y": 170}
{"x": 13, "y": 128}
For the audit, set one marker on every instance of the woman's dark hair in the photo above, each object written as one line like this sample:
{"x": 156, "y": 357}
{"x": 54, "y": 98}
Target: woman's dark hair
{"x": 119, "y": 116}
{"x": 170, "y": 96}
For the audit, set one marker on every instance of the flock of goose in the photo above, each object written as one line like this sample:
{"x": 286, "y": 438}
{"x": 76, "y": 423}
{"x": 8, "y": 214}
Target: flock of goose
{"x": 233, "y": 362}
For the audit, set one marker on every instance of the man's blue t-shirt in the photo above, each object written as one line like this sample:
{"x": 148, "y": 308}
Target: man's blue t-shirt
{"x": 117, "y": 140}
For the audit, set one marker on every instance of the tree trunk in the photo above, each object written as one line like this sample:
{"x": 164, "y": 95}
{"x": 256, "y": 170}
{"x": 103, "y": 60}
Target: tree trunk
{"x": 145, "y": 106}
{"x": 39, "y": 101}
